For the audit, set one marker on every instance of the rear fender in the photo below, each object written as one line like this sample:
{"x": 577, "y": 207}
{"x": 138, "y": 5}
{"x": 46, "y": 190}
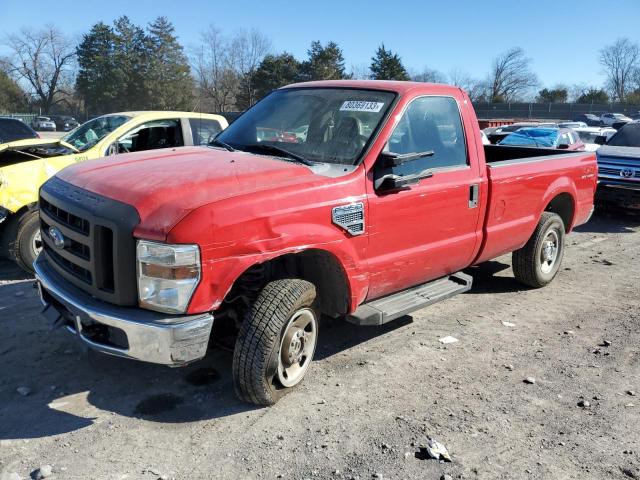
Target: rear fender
{"x": 562, "y": 185}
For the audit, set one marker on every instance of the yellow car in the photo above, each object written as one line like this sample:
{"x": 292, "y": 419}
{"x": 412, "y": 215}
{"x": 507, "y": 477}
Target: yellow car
{"x": 26, "y": 164}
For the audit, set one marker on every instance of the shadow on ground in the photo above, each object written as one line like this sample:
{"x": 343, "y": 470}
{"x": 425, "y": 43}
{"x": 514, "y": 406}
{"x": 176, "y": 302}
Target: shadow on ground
{"x": 61, "y": 374}
{"x": 9, "y": 271}
{"x": 611, "y": 220}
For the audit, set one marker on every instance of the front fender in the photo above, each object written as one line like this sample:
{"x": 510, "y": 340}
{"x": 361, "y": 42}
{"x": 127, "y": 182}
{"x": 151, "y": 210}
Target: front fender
{"x": 20, "y": 183}
{"x": 231, "y": 244}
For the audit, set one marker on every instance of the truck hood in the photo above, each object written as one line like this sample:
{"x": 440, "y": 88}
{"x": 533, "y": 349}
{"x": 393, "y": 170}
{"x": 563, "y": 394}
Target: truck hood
{"x": 620, "y": 152}
{"x": 165, "y": 185}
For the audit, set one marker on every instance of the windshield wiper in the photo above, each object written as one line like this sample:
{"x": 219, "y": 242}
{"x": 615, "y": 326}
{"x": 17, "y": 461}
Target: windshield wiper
{"x": 266, "y": 147}
{"x": 220, "y": 143}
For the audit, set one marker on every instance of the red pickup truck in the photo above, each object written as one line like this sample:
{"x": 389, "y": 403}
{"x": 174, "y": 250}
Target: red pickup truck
{"x": 368, "y": 209}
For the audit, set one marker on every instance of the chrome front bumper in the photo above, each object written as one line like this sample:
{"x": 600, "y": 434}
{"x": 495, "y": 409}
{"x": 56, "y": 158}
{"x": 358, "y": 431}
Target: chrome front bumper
{"x": 125, "y": 332}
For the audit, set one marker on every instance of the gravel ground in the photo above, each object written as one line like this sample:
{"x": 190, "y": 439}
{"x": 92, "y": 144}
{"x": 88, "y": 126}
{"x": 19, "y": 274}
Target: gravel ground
{"x": 372, "y": 396}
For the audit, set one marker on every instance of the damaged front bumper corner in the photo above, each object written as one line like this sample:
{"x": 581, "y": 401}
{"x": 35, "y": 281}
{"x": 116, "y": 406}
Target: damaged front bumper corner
{"x": 133, "y": 333}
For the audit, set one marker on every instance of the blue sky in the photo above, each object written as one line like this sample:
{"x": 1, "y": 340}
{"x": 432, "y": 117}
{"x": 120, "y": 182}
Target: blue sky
{"x": 563, "y": 38}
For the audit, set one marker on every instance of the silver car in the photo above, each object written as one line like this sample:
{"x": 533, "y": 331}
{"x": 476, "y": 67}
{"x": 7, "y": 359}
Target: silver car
{"x": 43, "y": 124}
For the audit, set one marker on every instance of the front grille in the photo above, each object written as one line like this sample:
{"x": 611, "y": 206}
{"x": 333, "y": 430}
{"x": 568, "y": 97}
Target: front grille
{"x": 81, "y": 250}
{"x": 75, "y": 270}
{"x": 98, "y": 252}
{"x": 68, "y": 219}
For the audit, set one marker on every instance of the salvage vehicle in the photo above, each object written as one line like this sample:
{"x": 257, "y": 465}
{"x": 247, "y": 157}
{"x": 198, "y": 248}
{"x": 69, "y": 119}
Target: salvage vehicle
{"x": 590, "y": 119}
{"x": 26, "y": 164}
{"x": 610, "y": 119}
{"x": 43, "y": 124}
{"x": 64, "y": 123}
{"x": 560, "y": 138}
{"x": 373, "y": 215}
{"x": 12, "y": 129}
{"x": 588, "y": 135}
{"x": 619, "y": 168}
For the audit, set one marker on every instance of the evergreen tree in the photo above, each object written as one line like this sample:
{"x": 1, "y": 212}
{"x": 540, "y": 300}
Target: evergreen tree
{"x": 274, "y": 72}
{"x": 132, "y": 56}
{"x": 168, "y": 80}
{"x": 593, "y": 95}
{"x": 12, "y": 97}
{"x": 387, "y": 65}
{"x": 98, "y": 82}
{"x": 557, "y": 95}
{"x": 324, "y": 63}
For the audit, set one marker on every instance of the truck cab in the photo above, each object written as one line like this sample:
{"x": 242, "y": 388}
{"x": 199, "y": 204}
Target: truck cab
{"x": 364, "y": 200}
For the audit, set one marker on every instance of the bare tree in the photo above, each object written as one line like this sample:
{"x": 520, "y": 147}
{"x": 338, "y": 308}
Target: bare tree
{"x": 247, "y": 49}
{"x": 621, "y": 62}
{"x": 511, "y": 76}
{"x": 216, "y": 78}
{"x": 428, "y": 75}
{"x": 475, "y": 88}
{"x": 43, "y": 60}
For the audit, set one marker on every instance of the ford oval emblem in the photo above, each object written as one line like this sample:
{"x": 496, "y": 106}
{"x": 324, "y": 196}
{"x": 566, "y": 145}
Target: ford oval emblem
{"x": 56, "y": 235}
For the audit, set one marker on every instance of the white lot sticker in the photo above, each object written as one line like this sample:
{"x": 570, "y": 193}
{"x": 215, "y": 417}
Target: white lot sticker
{"x": 361, "y": 106}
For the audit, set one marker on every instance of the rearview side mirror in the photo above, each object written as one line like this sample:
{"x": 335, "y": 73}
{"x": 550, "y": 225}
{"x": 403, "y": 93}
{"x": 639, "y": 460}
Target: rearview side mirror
{"x": 386, "y": 177}
{"x": 563, "y": 146}
{"x": 600, "y": 140}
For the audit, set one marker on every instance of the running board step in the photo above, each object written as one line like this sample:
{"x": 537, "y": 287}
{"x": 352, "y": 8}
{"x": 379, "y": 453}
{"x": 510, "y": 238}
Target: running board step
{"x": 386, "y": 309}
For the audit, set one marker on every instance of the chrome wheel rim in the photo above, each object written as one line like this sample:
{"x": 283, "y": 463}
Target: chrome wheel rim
{"x": 549, "y": 251}
{"x": 297, "y": 347}
{"x": 36, "y": 243}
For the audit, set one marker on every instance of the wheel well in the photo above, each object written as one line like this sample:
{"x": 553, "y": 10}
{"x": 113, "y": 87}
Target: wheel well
{"x": 319, "y": 267}
{"x": 563, "y": 205}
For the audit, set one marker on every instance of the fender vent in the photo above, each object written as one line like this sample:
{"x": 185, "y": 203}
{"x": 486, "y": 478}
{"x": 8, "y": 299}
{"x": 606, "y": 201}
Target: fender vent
{"x": 350, "y": 217}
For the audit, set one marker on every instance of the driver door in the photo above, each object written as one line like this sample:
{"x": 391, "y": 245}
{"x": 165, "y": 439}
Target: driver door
{"x": 150, "y": 136}
{"x": 428, "y": 229}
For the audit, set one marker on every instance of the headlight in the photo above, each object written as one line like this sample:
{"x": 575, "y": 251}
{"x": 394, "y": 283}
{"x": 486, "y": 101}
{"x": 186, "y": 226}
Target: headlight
{"x": 167, "y": 275}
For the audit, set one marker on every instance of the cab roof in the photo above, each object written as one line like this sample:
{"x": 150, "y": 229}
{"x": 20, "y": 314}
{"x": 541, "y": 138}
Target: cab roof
{"x": 397, "y": 86}
{"x": 165, "y": 113}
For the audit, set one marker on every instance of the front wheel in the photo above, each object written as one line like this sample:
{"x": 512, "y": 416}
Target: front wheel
{"x": 27, "y": 243}
{"x": 537, "y": 263}
{"x": 276, "y": 342}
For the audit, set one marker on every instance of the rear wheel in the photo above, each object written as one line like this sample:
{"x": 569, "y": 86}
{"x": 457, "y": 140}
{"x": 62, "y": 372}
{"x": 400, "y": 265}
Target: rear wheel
{"x": 537, "y": 263}
{"x": 276, "y": 342}
{"x": 27, "y": 243}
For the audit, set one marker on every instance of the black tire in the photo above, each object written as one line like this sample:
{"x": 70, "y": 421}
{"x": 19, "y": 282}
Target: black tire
{"x": 21, "y": 246}
{"x": 527, "y": 262}
{"x": 257, "y": 349}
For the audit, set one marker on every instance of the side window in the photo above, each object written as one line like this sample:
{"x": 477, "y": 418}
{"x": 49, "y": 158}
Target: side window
{"x": 204, "y": 130}
{"x": 430, "y": 124}
{"x": 152, "y": 135}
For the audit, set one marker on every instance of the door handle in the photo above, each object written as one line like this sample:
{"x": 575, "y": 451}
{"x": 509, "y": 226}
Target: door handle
{"x": 474, "y": 191}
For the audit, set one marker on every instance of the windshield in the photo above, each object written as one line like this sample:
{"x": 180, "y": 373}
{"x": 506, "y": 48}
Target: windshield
{"x": 90, "y": 133}
{"x": 628, "y": 136}
{"x": 332, "y": 125}
{"x": 537, "y": 137}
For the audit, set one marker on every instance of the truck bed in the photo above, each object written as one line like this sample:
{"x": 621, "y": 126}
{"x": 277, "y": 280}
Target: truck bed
{"x": 522, "y": 183}
{"x": 500, "y": 153}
